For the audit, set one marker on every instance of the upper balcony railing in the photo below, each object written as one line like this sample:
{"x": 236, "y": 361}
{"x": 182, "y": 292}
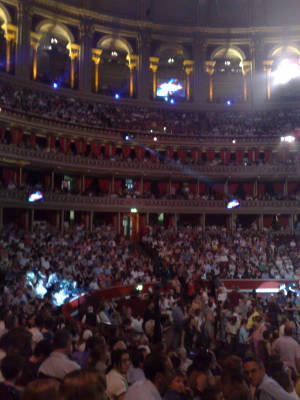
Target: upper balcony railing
{"x": 59, "y": 201}
{"x": 89, "y": 165}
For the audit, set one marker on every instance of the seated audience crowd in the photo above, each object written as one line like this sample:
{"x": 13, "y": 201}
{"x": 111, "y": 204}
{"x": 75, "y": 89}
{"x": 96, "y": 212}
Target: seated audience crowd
{"x": 74, "y": 110}
{"x": 188, "y": 338}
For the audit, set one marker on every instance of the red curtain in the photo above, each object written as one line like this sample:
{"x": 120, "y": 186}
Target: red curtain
{"x": 107, "y": 150}
{"x": 126, "y": 151}
{"x": 249, "y": 188}
{"x": 33, "y": 139}
{"x": 8, "y": 174}
{"x": 163, "y": 187}
{"x": 194, "y": 154}
{"x": 251, "y": 156}
{"x": 261, "y": 188}
{"x": 47, "y": 180}
{"x": 210, "y": 155}
{"x": 104, "y": 185}
{"x": 181, "y": 154}
{"x": 87, "y": 182}
{"x": 232, "y": 187}
{"x": 219, "y": 190}
{"x": 268, "y": 219}
{"x": 283, "y": 220}
{"x": 80, "y": 146}
{"x": 51, "y": 142}
{"x": 96, "y": 148}
{"x": 169, "y": 154}
{"x": 16, "y": 136}
{"x": 64, "y": 144}
{"x": 170, "y": 221}
{"x": 2, "y": 133}
{"x": 202, "y": 188}
{"x": 239, "y": 156}
{"x": 175, "y": 187}
{"x": 291, "y": 187}
{"x": 113, "y": 149}
{"x": 140, "y": 153}
{"x": 153, "y": 154}
{"x": 24, "y": 176}
{"x": 146, "y": 186}
{"x": 256, "y": 155}
{"x": 225, "y": 156}
{"x": 278, "y": 187}
{"x": 193, "y": 188}
{"x": 283, "y": 155}
{"x": 117, "y": 186}
{"x": 268, "y": 155}
{"x": 78, "y": 184}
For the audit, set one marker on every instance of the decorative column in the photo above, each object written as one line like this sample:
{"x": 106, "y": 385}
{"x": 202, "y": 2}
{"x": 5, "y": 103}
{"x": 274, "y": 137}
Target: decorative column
{"x": 34, "y": 43}
{"x": 1, "y": 217}
{"x": 153, "y": 66}
{"x": 291, "y": 223}
{"x": 143, "y": 75}
{"x": 199, "y": 75}
{"x": 258, "y": 82}
{"x": 73, "y": 53}
{"x": 62, "y": 220}
{"x": 85, "y": 55}
{"x": 91, "y": 215}
{"x": 20, "y": 175}
{"x": 132, "y": 64}
{"x": 268, "y": 68}
{"x": 23, "y": 61}
{"x": 10, "y": 36}
{"x": 188, "y": 66}
{"x": 119, "y": 223}
{"x": 210, "y": 69}
{"x": 246, "y": 69}
{"x": 203, "y": 222}
{"x": 96, "y": 57}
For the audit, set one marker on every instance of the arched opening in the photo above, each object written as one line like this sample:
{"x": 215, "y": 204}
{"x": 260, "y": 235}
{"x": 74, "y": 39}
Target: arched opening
{"x": 285, "y": 73}
{"x": 114, "y": 73}
{"x": 53, "y": 54}
{"x": 5, "y": 19}
{"x": 171, "y": 80}
{"x": 227, "y": 77}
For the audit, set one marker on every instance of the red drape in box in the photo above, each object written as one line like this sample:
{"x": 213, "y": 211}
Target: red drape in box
{"x": 170, "y": 221}
{"x": 8, "y": 174}
{"x": 47, "y": 180}
{"x": 278, "y": 187}
{"x": 181, "y": 154}
{"x": 80, "y": 146}
{"x": 126, "y": 151}
{"x": 175, "y": 187}
{"x": 219, "y": 190}
{"x": 210, "y": 155}
{"x": 153, "y": 155}
{"x": 169, "y": 154}
{"x": 113, "y": 149}
{"x": 202, "y": 188}
{"x": 137, "y": 185}
{"x": 146, "y": 186}
{"x": 104, "y": 185}
{"x": 232, "y": 187}
{"x": 96, "y": 148}
{"x": 163, "y": 187}
{"x": 225, "y": 156}
{"x": 24, "y": 177}
{"x": 283, "y": 220}
{"x": 16, "y": 136}
{"x": 107, "y": 150}
{"x": 257, "y": 155}
{"x": 261, "y": 188}
{"x": 268, "y": 219}
{"x": 239, "y": 156}
{"x": 140, "y": 153}
{"x": 78, "y": 184}
{"x": 33, "y": 139}
{"x": 117, "y": 186}
{"x": 194, "y": 154}
{"x": 268, "y": 155}
{"x": 284, "y": 154}
{"x": 64, "y": 144}
{"x": 2, "y": 133}
{"x": 193, "y": 188}
{"x": 251, "y": 155}
{"x": 249, "y": 188}
{"x": 87, "y": 182}
{"x": 291, "y": 187}
{"x": 51, "y": 142}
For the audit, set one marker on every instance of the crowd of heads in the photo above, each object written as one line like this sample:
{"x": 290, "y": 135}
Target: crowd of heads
{"x": 74, "y": 110}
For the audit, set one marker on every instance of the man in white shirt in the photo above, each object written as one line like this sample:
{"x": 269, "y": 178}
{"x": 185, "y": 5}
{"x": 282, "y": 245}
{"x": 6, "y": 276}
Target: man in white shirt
{"x": 157, "y": 373}
{"x": 58, "y": 364}
{"x": 288, "y": 349}
{"x": 116, "y": 383}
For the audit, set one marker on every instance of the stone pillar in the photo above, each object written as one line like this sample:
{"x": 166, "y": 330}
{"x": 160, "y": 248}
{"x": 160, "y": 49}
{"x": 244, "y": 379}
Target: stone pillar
{"x": 203, "y": 222}
{"x": 199, "y": 81}
{"x": 255, "y": 188}
{"x": 119, "y": 223}
{"x": 10, "y": 36}
{"x": 188, "y": 66}
{"x": 154, "y": 66}
{"x": 96, "y": 57}
{"x": 245, "y": 72}
{"x": 1, "y": 217}
{"x": 23, "y": 61}
{"x": 132, "y": 64}
{"x": 268, "y": 68}
{"x": 210, "y": 69}
{"x": 85, "y": 56}
{"x": 74, "y": 54}
{"x": 143, "y": 67}
{"x": 91, "y": 220}
{"x": 52, "y": 181}
{"x": 258, "y": 76}
{"x": 34, "y": 43}
{"x": 147, "y": 218}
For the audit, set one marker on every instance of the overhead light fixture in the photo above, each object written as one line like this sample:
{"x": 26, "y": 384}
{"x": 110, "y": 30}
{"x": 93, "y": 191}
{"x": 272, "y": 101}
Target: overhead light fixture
{"x": 171, "y": 60}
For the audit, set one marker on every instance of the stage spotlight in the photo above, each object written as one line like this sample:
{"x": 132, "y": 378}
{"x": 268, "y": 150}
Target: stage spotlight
{"x": 166, "y": 98}
{"x": 155, "y": 139}
{"x": 287, "y": 70}
{"x": 55, "y": 85}
{"x": 287, "y": 139}
{"x": 228, "y": 103}
{"x": 117, "y": 96}
{"x": 127, "y": 138}
{"x": 172, "y": 101}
